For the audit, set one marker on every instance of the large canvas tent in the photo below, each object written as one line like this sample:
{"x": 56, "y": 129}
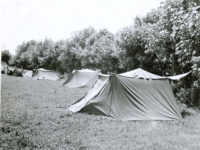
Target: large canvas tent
{"x": 131, "y": 97}
{"x": 45, "y": 74}
{"x": 82, "y": 78}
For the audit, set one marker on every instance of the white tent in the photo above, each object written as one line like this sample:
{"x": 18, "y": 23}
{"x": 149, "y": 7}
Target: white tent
{"x": 27, "y": 73}
{"x": 82, "y": 78}
{"x": 45, "y": 74}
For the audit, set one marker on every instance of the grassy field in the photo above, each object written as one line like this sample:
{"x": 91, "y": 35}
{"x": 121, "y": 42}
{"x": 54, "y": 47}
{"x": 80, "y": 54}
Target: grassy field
{"x": 34, "y": 116}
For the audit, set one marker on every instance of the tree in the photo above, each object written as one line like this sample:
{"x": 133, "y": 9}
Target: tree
{"x": 196, "y": 81}
{"x": 5, "y": 56}
{"x": 174, "y": 37}
{"x": 24, "y": 54}
{"x": 68, "y": 59}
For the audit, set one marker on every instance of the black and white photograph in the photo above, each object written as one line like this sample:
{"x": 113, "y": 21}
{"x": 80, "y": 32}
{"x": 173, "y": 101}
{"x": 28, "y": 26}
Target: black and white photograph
{"x": 100, "y": 75}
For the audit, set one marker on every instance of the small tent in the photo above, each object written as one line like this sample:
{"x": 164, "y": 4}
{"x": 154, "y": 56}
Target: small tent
{"x": 123, "y": 97}
{"x": 81, "y": 78}
{"x": 45, "y": 74}
{"x": 4, "y": 67}
{"x": 17, "y": 72}
{"x": 27, "y": 73}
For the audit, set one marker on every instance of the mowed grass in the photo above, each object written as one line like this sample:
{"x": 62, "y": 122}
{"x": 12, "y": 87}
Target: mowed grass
{"x": 34, "y": 116}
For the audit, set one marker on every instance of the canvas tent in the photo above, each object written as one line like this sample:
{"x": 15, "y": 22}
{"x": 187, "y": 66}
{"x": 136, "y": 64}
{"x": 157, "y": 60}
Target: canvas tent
{"x": 82, "y": 78}
{"x": 45, "y": 74}
{"x": 27, "y": 73}
{"x": 142, "y": 74}
{"x": 17, "y": 72}
{"x": 131, "y": 97}
{"x": 4, "y": 67}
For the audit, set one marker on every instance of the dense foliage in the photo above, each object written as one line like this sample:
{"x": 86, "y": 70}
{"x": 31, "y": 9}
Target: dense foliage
{"x": 165, "y": 42}
{"x": 5, "y": 56}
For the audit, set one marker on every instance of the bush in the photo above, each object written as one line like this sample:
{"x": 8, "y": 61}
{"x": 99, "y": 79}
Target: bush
{"x": 186, "y": 111}
{"x": 5, "y": 56}
{"x": 196, "y": 96}
{"x": 184, "y": 96}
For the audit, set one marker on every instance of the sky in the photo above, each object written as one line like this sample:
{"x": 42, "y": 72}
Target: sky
{"x": 24, "y": 20}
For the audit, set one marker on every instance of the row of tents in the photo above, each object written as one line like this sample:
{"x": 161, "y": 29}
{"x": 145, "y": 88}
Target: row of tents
{"x": 37, "y": 74}
{"x": 134, "y": 95}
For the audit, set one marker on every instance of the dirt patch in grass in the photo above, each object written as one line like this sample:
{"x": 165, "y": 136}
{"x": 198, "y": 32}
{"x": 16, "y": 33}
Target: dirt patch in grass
{"x": 34, "y": 116}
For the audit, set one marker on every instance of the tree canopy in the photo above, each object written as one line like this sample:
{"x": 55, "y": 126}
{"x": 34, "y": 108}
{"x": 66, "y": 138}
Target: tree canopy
{"x": 5, "y": 56}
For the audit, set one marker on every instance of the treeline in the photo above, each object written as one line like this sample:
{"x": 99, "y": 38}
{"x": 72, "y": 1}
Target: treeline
{"x": 85, "y": 49}
{"x": 165, "y": 42}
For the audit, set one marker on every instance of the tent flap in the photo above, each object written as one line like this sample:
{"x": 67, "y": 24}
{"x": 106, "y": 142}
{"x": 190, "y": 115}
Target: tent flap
{"x": 140, "y": 73}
